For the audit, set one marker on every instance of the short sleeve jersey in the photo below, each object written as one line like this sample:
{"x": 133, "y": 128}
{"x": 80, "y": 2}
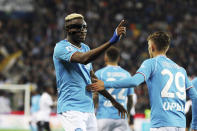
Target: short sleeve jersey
{"x": 167, "y": 84}
{"x": 72, "y": 79}
{"x": 105, "y": 107}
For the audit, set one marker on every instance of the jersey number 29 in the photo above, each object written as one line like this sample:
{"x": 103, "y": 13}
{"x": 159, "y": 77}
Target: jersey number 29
{"x": 181, "y": 93}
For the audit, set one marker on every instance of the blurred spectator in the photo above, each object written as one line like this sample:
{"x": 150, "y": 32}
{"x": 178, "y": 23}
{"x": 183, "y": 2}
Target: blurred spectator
{"x": 5, "y": 103}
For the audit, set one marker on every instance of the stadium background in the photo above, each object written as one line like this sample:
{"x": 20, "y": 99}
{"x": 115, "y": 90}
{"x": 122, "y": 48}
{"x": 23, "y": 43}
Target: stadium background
{"x": 29, "y": 30}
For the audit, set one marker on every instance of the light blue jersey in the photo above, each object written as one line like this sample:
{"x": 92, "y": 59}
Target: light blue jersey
{"x": 194, "y": 82}
{"x": 194, "y": 107}
{"x": 167, "y": 84}
{"x": 72, "y": 79}
{"x": 35, "y": 103}
{"x": 105, "y": 108}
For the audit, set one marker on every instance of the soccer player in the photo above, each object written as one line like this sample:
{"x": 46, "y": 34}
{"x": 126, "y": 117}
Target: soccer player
{"x": 107, "y": 116}
{"x": 46, "y": 104}
{"x": 74, "y": 71}
{"x": 167, "y": 84}
{"x": 35, "y": 106}
{"x": 194, "y": 105}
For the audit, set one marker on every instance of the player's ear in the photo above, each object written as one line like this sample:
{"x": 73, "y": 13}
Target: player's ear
{"x": 105, "y": 58}
{"x": 153, "y": 47}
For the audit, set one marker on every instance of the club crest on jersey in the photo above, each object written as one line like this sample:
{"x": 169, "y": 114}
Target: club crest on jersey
{"x": 78, "y": 129}
{"x": 69, "y": 48}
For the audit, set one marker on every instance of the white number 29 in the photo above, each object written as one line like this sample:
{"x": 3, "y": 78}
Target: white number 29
{"x": 181, "y": 94}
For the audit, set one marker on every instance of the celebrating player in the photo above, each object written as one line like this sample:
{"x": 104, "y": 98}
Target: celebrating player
{"x": 73, "y": 73}
{"x": 167, "y": 85}
{"x": 107, "y": 116}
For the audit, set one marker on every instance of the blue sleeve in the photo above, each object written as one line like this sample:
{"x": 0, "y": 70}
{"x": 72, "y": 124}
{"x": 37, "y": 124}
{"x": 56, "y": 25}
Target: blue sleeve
{"x": 128, "y": 82}
{"x": 130, "y": 90}
{"x": 192, "y": 93}
{"x": 188, "y": 83}
{"x": 63, "y": 52}
{"x": 147, "y": 68}
{"x": 194, "y": 82}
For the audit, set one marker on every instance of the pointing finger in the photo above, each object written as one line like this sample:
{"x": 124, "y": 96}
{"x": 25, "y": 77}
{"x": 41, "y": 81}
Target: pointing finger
{"x": 121, "y": 23}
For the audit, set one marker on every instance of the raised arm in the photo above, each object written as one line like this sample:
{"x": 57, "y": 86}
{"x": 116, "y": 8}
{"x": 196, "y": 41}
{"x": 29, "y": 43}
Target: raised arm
{"x": 91, "y": 55}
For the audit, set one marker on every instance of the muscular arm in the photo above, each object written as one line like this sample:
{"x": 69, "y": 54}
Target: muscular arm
{"x": 129, "y": 103}
{"x": 103, "y": 92}
{"x": 106, "y": 94}
{"x": 86, "y": 57}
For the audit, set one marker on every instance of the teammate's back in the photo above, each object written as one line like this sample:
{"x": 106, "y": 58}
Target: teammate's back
{"x": 167, "y": 85}
{"x": 105, "y": 108}
{"x": 167, "y": 82}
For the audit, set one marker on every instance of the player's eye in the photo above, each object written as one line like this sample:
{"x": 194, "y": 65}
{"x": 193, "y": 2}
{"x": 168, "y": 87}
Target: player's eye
{"x": 77, "y": 26}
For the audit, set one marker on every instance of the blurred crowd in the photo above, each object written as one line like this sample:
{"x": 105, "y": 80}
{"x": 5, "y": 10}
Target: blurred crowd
{"x": 27, "y": 41}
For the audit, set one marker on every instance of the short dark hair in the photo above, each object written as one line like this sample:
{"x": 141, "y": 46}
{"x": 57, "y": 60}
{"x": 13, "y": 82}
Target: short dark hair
{"x": 113, "y": 53}
{"x": 161, "y": 40}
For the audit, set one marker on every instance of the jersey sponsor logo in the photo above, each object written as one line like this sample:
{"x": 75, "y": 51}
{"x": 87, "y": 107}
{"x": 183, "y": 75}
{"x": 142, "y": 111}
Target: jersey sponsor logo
{"x": 173, "y": 106}
{"x": 78, "y": 129}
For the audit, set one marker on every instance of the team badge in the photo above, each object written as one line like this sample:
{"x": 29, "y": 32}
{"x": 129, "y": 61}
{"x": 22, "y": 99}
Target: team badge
{"x": 69, "y": 48}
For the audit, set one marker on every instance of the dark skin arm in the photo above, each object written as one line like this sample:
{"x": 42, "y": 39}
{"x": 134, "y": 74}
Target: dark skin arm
{"x": 129, "y": 103}
{"x": 86, "y": 57}
{"x": 106, "y": 94}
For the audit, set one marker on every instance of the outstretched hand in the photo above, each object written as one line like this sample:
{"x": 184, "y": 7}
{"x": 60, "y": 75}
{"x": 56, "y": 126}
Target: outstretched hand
{"x": 120, "y": 30}
{"x": 121, "y": 109}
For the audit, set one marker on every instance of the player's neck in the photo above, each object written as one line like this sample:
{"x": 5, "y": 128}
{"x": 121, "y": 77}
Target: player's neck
{"x": 159, "y": 54}
{"x": 74, "y": 43}
{"x": 111, "y": 64}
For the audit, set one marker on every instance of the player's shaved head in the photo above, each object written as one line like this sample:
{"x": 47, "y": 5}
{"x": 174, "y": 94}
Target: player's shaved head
{"x": 160, "y": 39}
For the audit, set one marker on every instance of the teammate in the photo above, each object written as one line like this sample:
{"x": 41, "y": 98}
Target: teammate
{"x": 46, "y": 104}
{"x": 132, "y": 100}
{"x": 107, "y": 116}
{"x": 167, "y": 84}
{"x": 194, "y": 105}
{"x": 35, "y": 106}
{"x": 74, "y": 72}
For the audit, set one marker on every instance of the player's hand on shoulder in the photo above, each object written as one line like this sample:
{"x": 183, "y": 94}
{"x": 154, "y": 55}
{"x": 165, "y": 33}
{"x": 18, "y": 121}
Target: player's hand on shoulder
{"x": 120, "y": 30}
{"x": 97, "y": 85}
{"x": 122, "y": 111}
